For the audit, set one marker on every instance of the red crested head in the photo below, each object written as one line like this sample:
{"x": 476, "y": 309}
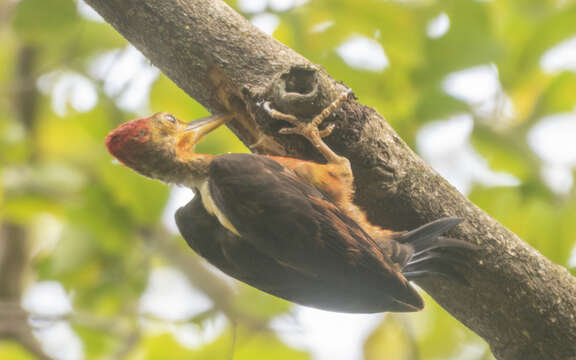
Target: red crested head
{"x": 127, "y": 142}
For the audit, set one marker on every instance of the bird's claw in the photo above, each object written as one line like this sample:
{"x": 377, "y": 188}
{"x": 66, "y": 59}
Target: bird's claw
{"x": 279, "y": 115}
{"x": 326, "y": 131}
{"x": 310, "y": 129}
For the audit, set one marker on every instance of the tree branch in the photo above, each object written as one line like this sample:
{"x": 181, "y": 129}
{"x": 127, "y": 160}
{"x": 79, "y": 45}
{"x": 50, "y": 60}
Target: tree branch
{"x": 523, "y": 305}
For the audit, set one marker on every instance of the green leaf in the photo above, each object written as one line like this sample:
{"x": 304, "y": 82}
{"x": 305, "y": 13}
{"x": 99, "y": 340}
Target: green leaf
{"x": 558, "y": 96}
{"x": 242, "y": 344}
{"x": 7, "y": 58}
{"x": 72, "y": 253}
{"x": 239, "y": 343}
{"x": 390, "y": 340}
{"x": 1, "y": 202}
{"x": 434, "y": 104}
{"x": 43, "y": 21}
{"x": 559, "y": 26}
{"x": 433, "y": 326}
{"x": 163, "y": 347}
{"x": 97, "y": 342}
{"x": 543, "y": 223}
{"x": 506, "y": 152}
{"x": 66, "y": 139}
{"x": 469, "y": 42}
{"x": 260, "y": 304}
{"x": 21, "y": 209}
{"x": 264, "y": 346}
{"x": 95, "y": 212}
{"x": 96, "y": 38}
{"x": 11, "y": 350}
{"x": 143, "y": 199}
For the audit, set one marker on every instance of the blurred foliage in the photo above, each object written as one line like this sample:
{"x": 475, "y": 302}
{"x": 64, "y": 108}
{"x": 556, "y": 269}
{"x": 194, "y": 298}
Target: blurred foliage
{"x": 90, "y": 219}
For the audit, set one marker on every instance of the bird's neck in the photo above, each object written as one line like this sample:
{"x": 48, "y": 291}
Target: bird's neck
{"x": 196, "y": 170}
{"x": 173, "y": 167}
{"x": 190, "y": 170}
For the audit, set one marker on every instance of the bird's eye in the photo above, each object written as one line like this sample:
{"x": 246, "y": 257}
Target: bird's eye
{"x": 170, "y": 118}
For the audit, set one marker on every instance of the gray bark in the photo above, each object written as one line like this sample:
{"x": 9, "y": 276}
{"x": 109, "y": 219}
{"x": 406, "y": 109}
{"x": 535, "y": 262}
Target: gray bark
{"x": 523, "y": 305}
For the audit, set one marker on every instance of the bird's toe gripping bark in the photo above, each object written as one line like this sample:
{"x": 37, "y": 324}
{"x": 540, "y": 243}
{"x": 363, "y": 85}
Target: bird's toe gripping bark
{"x": 310, "y": 129}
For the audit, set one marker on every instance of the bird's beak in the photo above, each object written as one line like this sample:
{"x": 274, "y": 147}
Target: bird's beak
{"x": 205, "y": 125}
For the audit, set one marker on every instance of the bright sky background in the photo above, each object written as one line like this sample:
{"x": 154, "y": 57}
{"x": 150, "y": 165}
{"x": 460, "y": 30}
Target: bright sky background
{"x": 444, "y": 144}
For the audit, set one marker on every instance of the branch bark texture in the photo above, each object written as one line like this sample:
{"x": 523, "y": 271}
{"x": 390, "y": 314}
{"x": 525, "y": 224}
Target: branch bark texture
{"x": 523, "y": 305}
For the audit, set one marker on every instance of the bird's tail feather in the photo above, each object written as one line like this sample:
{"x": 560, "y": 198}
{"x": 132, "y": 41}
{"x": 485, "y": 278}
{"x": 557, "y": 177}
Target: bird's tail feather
{"x": 424, "y": 252}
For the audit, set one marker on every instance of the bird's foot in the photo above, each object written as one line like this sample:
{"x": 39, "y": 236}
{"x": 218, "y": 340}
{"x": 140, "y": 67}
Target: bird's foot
{"x": 310, "y": 129}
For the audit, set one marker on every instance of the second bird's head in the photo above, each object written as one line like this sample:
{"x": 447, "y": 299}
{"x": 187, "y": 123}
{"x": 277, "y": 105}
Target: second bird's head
{"x": 155, "y": 146}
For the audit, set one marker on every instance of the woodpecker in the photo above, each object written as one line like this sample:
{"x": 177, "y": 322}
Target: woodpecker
{"x": 287, "y": 226}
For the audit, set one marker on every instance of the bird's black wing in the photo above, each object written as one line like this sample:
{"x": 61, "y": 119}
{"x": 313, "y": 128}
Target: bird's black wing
{"x": 238, "y": 258}
{"x": 295, "y": 224}
{"x": 280, "y": 215}
{"x": 227, "y": 251}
